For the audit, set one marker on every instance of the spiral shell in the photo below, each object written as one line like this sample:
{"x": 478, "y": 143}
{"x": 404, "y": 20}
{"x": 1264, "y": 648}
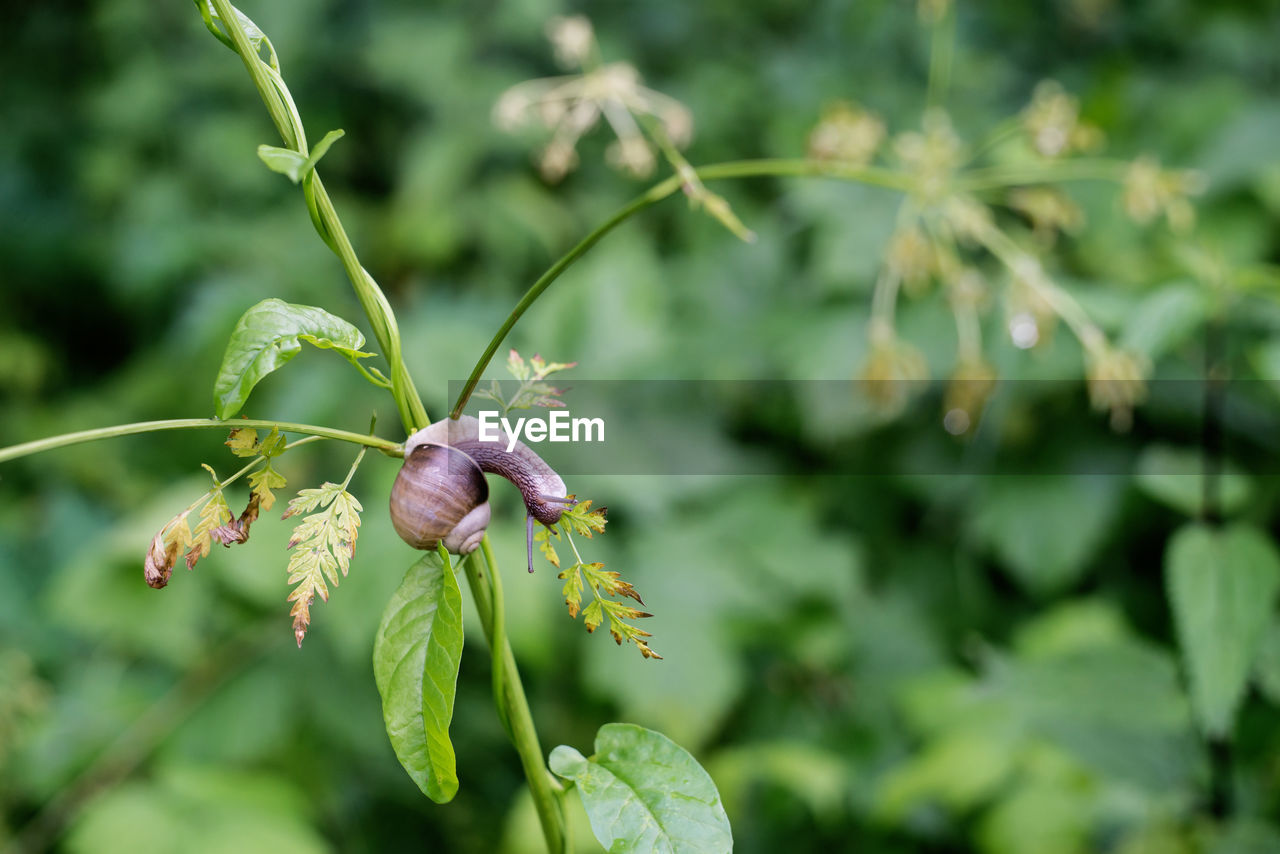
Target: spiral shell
{"x": 439, "y": 495}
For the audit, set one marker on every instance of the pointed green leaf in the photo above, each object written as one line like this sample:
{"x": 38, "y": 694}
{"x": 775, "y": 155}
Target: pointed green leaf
{"x": 643, "y": 792}
{"x": 1222, "y": 586}
{"x": 291, "y": 163}
{"x": 415, "y": 663}
{"x": 286, "y": 161}
{"x": 270, "y": 334}
{"x": 256, "y": 37}
{"x": 318, "y": 150}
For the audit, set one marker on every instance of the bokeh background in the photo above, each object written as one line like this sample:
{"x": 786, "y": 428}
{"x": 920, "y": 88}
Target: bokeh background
{"x": 914, "y": 662}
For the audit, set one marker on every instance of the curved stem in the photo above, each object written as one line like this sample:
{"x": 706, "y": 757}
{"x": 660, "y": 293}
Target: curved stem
{"x": 999, "y": 177}
{"x": 941, "y": 52}
{"x": 1029, "y": 271}
{"x": 279, "y": 103}
{"x": 260, "y": 72}
{"x": 498, "y": 636}
{"x": 412, "y": 413}
{"x": 391, "y": 449}
{"x": 544, "y": 282}
{"x": 545, "y": 789}
{"x": 735, "y": 169}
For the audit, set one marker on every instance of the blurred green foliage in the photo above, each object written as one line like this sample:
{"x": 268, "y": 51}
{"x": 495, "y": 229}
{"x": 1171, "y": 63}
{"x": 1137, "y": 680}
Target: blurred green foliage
{"x": 880, "y": 664}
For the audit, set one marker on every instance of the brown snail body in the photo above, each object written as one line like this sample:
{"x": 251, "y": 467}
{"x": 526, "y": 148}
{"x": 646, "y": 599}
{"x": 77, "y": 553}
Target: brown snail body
{"x": 441, "y": 495}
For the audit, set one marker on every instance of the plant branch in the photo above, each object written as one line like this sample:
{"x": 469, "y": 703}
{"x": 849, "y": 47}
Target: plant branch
{"x": 280, "y": 104}
{"x": 497, "y": 636}
{"x": 1000, "y": 177}
{"x": 482, "y": 577}
{"x": 735, "y": 169}
{"x": 942, "y": 45}
{"x": 386, "y": 446}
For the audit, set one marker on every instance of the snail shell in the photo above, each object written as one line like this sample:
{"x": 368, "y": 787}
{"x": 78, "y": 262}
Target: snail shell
{"x": 439, "y": 495}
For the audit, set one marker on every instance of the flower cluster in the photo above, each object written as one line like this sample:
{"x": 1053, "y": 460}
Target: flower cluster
{"x": 947, "y": 222}
{"x": 846, "y": 133}
{"x": 1150, "y": 191}
{"x": 573, "y": 104}
{"x": 1052, "y": 123}
{"x": 932, "y": 154}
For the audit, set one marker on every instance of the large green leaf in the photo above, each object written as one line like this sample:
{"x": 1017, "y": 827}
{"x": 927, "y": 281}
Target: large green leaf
{"x": 270, "y": 334}
{"x": 415, "y": 663}
{"x": 1222, "y": 585}
{"x": 643, "y": 792}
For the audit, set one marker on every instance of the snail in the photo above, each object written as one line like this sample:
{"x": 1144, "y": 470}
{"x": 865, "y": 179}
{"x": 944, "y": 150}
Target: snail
{"x": 441, "y": 495}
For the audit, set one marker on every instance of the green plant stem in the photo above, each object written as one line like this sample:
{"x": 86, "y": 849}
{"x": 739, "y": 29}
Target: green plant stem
{"x": 513, "y": 705}
{"x": 547, "y": 792}
{"x": 372, "y": 300}
{"x": 1028, "y": 269}
{"x": 261, "y": 73}
{"x": 498, "y": 637}
{"x": 412, "y": 413}
{"x": 386, "y": 446}
{"x": 734, "y": 169}
{"x": 941, "y": 52}
{"x": 1000, "y": 177}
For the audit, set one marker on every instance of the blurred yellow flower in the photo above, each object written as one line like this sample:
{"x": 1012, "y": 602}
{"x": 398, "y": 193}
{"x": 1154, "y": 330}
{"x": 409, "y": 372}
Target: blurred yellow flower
{"x": 1150, "y": 191}
{"x": 1117, "y": 382}
{"x": 892, "y": 370}
{"x": 912, "y": 258}
{"x": 1049, "y": 211}
{"x": 932, "y": 153}
{"x": 969, "y": 388}
{"x": 846, "y": 133}
{"x": 1052, "y": 122}
{"x": 573, "y": 104}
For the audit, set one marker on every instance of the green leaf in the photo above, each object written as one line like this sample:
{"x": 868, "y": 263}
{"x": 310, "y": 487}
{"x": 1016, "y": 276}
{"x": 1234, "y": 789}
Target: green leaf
{"x": 291, "y": 163}
{"x": 643, "y": 792}
{"x": 1048, "y": 817}
{"x": 286, "y": 161}
{"x": 1267, "y": 667}
{"x": 1175, "y": 477}
{"x": 1165, "y": 319}
{"x": 1022, "y": 520}
{"x": 1221, "y": 585}
{"x": 415, "y": 663}
{"x": 270, "y": 334}
{"x": 1266, "y": 361}
{"x": 256, "y": 37}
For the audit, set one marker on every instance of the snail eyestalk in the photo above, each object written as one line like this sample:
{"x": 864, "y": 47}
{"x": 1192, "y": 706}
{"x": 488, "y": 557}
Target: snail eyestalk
{"x": 528, "y": 520}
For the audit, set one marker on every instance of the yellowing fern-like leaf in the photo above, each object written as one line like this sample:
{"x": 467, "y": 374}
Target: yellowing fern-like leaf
{"x": 324, "y": 543}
